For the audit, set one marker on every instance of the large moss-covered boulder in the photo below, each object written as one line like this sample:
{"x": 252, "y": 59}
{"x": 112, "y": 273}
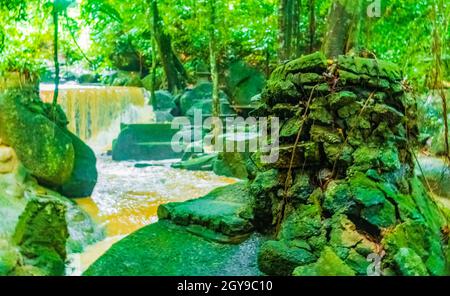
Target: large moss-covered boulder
{"x": 44, "y": 148}
{"x": 243, "y": 83}
{"x": 343, "y": 187}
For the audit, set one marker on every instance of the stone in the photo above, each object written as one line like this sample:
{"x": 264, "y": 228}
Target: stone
{"x": 338, "y": 198}
{"x": 284, "y": 110}
{"x": 163, "y": 100}
{"x": 308, "y": 78}
{"x": 291, "y": 128}
{"x": 166, "y": 249}
{"x": 276, "y": 258}
{"x": 226, "y": 210}
{"x": 84, "y": 175}
{"x": 281, "y": 91}
{"x": 306, "y": 155}
{"x": 231, "y": 164}
{"x": 370, "y": 67}
{"x": 41, "y": 235}
{"x": 341, "y": 99}
{"x": 145, "y": 142}
{"x": 329, "y": 264}
{"x": 48, "y": 154}
{"x": 409, "y": 263}
{"x": 324, "y": 134}
{"x": 8, "y": 159}
{"x": 303, "y": 223}
{"x": 315, "y": 62}
{"x": 197, "y": 163}
{"x": 243, "y": 82}
{"x": 416, "y": 236}
{"x": 302, "y": 187}
{"x": 200, "y": 98}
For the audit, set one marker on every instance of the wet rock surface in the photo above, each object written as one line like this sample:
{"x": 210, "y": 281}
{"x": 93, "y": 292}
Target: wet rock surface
{"x": 165, "y": 249}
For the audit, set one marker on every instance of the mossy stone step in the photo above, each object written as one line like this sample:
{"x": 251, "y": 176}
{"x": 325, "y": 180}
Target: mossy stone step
{"x": 226, "y": 210}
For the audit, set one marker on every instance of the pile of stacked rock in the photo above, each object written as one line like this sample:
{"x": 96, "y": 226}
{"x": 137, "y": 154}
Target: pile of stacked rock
{"x": 346, "y": 199}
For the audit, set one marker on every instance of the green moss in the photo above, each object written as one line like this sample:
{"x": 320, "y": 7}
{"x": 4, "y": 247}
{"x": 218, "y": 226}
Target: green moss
{"x": 231, "y": 164}
{"x": 329, "y": 264}
{"x": 278, "y": 258}
{"x": 409, "y": 263}
{"x": 166, "y": 249}
{"x": 313, "y": 62}
{"x": 325, "y": 135}
{"x": 47, "y": 154}
{"x": 342, "y": 98}
{"x": 41, "y": 235}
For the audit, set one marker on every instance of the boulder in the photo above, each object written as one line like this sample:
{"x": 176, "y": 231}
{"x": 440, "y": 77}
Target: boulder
{"x": 226, "y": 211}
{"x": 345, "y": 185}
{"x": 166, "y": 249}
{"x": 84, "y": 175}
{"x": 163, "y": 100}
{"x": 231, "y": 164}
{"x": 44, "y": 148}
{"x": 243, "y": 83}
{"x": 200, "y": 97}
{"x": 329, "y": 264}
{"x": 145, "y": 142}
{"x": 41, "y": 235}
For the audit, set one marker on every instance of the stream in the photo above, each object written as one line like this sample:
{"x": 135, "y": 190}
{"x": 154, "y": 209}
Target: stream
{"x": 126, "y": 197}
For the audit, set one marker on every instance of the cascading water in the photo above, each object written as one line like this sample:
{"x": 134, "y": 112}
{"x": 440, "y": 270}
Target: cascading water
{"x": 95, "y": 112}
{"x": 126, "y": 198}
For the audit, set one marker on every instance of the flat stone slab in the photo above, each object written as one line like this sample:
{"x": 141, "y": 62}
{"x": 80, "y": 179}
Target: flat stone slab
{"x": 226, "y": 210}
{"x": 166, "y": 249}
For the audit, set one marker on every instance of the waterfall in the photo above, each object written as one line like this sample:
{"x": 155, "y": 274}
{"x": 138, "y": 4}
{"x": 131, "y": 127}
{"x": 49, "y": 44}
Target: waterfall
{"x": 96, "y": 112}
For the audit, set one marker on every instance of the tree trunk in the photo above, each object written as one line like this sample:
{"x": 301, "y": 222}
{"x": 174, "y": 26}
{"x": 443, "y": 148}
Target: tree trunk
{"x": 55, "y": 55}
{"x": 312, "y": 24}
{"x": 153, "y": 73}
{"x": 342, "y": 24}
{"x": 288, "y": 25}
{"x": 213, "y": 61}
{"x": 175, "y": 74}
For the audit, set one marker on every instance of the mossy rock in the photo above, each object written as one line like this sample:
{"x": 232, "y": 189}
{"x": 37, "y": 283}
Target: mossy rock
{"x": 84, "y": 175}
{"x": 165, "y": 249}
{"x": 41, "y": 235}
{"x": 243, "y": 82}
{"x": 409, "y": 263}
{"x": 329, "y": 264}
{"x": 370, "y": 67}
{"x": 226, "y": 210}
{"x": 279, "y": 258}
{"x": 231, "y": 164}
{"x": 9, "y": 257}
{"x": 48, "y": 154}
